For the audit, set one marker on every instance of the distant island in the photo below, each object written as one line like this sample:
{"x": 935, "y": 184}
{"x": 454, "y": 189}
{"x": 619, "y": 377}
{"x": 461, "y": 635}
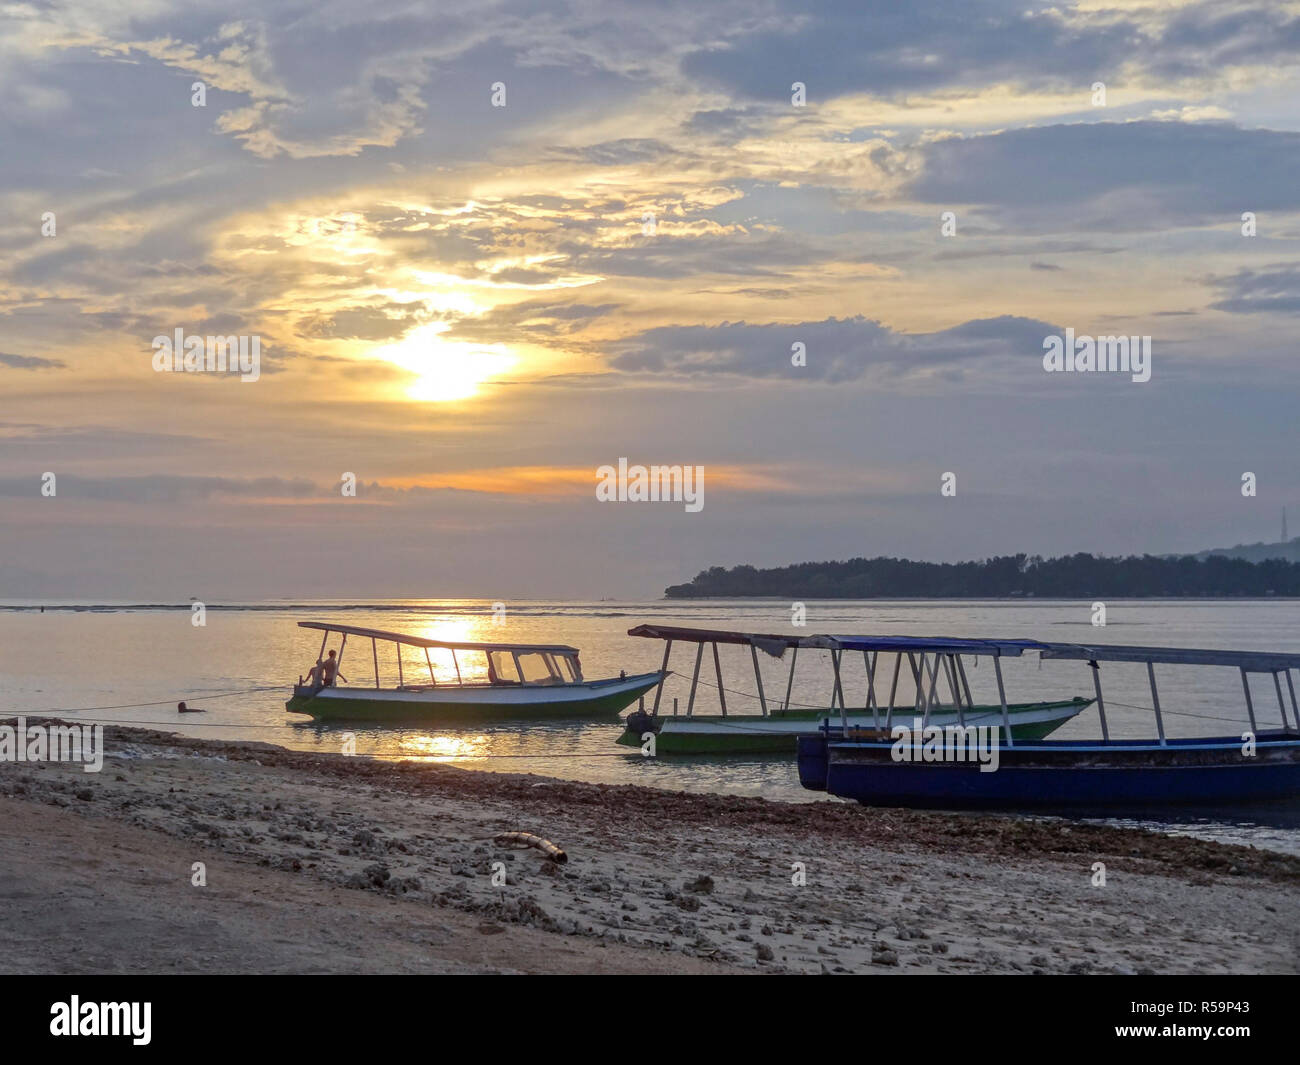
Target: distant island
{"x": 1288, "y": 549}
{"x": 1080, "y": 576}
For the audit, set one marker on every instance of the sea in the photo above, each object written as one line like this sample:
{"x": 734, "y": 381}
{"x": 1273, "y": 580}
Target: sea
{"x": 130, "y": 663}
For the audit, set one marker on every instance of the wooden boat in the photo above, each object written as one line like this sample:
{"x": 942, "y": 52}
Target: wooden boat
{"x": 775, "y": 730}
{"x": 1247, "y": 767}
{"x": 491, "y": 681}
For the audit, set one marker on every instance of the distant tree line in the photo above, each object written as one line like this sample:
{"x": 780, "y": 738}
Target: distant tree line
{"x": 1080, "y": 576}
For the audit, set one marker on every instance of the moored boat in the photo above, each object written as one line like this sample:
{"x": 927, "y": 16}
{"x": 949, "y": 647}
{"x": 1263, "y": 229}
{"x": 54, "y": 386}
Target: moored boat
{"x": 775, "y": 729}
{"x": 491, "y": 681}
{"x": 924, "y": 769}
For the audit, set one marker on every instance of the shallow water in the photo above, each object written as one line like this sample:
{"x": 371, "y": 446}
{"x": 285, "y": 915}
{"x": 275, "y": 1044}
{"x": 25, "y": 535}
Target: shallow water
{"x": 100, "y": 662}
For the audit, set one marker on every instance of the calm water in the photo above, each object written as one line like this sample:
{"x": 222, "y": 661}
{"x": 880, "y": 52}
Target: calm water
{"x": 99, "y": 664}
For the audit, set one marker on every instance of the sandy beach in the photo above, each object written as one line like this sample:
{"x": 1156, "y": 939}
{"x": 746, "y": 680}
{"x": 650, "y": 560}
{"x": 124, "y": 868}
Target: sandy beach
{"x": 330, "y": 864}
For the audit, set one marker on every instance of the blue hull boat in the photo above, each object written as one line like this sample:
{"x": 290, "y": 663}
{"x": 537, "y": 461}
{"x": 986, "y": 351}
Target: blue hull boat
{"x": 1058, "y": 773}
{"x": 902, "y": 763}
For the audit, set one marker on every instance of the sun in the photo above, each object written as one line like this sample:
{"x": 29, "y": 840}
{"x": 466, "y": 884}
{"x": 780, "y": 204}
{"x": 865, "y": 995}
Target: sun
{"x": 445, "y": 370}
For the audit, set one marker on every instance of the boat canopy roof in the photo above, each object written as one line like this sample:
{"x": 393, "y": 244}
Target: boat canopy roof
{"x": 454, "y": 645}
{"x": 1253, "y": 661}
{"x": 776, "y": 644}
{"x": 773, "y": 644}
{"x": 935, "y": 644}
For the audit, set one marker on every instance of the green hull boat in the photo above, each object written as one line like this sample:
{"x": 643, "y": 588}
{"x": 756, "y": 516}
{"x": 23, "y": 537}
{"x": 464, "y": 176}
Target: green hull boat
{"x": 594, "y": 699}
{"x": 776, "y": 733}
{"x": 485, "y": 682}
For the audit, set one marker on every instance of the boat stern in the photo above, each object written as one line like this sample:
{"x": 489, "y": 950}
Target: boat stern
{"x": 812, "y": 761}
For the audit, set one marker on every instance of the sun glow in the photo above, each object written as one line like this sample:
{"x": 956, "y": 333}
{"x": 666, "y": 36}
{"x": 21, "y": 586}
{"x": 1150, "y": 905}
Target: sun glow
{"x": 445, "y": 369}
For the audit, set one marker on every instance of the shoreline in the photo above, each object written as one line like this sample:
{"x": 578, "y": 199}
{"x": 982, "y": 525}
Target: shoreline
{"x": 454, "y": 606}
{"x": 656, "y": 880}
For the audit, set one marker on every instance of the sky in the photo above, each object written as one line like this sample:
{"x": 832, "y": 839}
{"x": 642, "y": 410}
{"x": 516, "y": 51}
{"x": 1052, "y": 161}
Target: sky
{"x": 485, "y": 249}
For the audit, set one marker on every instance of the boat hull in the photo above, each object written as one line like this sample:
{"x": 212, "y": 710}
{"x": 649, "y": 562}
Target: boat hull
{"x": 713, "y": 734}
{"x": 593, "y": 699}
{"x": 1061, "y": 773}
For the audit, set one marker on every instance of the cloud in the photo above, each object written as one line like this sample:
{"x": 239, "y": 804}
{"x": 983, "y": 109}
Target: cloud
{"x": 851, "y": 46}
{"x": 1272, "y": 289}
{"x": 876, "y": 47}
{"x": 364, "y": 323}
{"x": 838, "y": 349}
{"x": 30, "y": 362}
{"x": 1115, "y": 176}
{"x": 163, "y": 488}
{"x": 531, "y": 320}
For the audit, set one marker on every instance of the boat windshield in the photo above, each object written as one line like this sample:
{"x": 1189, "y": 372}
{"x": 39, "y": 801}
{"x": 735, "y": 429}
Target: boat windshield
{"x": 503, "y": 669}
{"x": 535, "y": 668}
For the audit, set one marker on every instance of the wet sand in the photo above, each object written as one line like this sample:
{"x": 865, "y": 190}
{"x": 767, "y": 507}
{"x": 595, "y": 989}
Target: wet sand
{"x": 324, "y": 863}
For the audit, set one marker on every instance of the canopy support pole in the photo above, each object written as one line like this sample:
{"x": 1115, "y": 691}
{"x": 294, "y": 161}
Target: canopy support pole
{"x": 836, "y": 690}
{"x": 695, "y": 678}
{"x": 789, "y": 684}
{"x": 455, "y": 662}
{"x": 1250, "y": 706}
{"x": 934, "y": 688}
{"x": 1155, "y": 702}
{"x": 717, "y": 668}
{"x": 917, "y": 671}
{"x": 837, "y": 693}
{"x": 1101, "y": 705}
{"x": 870, "y": 663}
{"x": 961, "y": 669}
{"x": 893, "y": 690}
{"x": 758, "y": 677}
{"x": 323, "y": 640}
{"x": 1002, "y": 698}
{"x": 374, "y": 650}
{"x": 429, "y": 662}
{"x": 400, "y": 681}
{"x": 957, "y": 695}
{"x": 837, "y": 657}
{"x": 1281, "y": 706}
{"x": 663, "y": 679}
{"x": 950, "y": 671}
{"x": 1295, "y": 712}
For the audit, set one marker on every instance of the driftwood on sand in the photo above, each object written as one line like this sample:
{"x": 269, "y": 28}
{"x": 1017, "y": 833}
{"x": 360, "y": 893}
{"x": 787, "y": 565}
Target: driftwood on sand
{"x": 529, "y": 840}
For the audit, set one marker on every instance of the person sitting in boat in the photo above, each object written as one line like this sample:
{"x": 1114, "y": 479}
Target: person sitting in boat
{"x": 329, "y": 670}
